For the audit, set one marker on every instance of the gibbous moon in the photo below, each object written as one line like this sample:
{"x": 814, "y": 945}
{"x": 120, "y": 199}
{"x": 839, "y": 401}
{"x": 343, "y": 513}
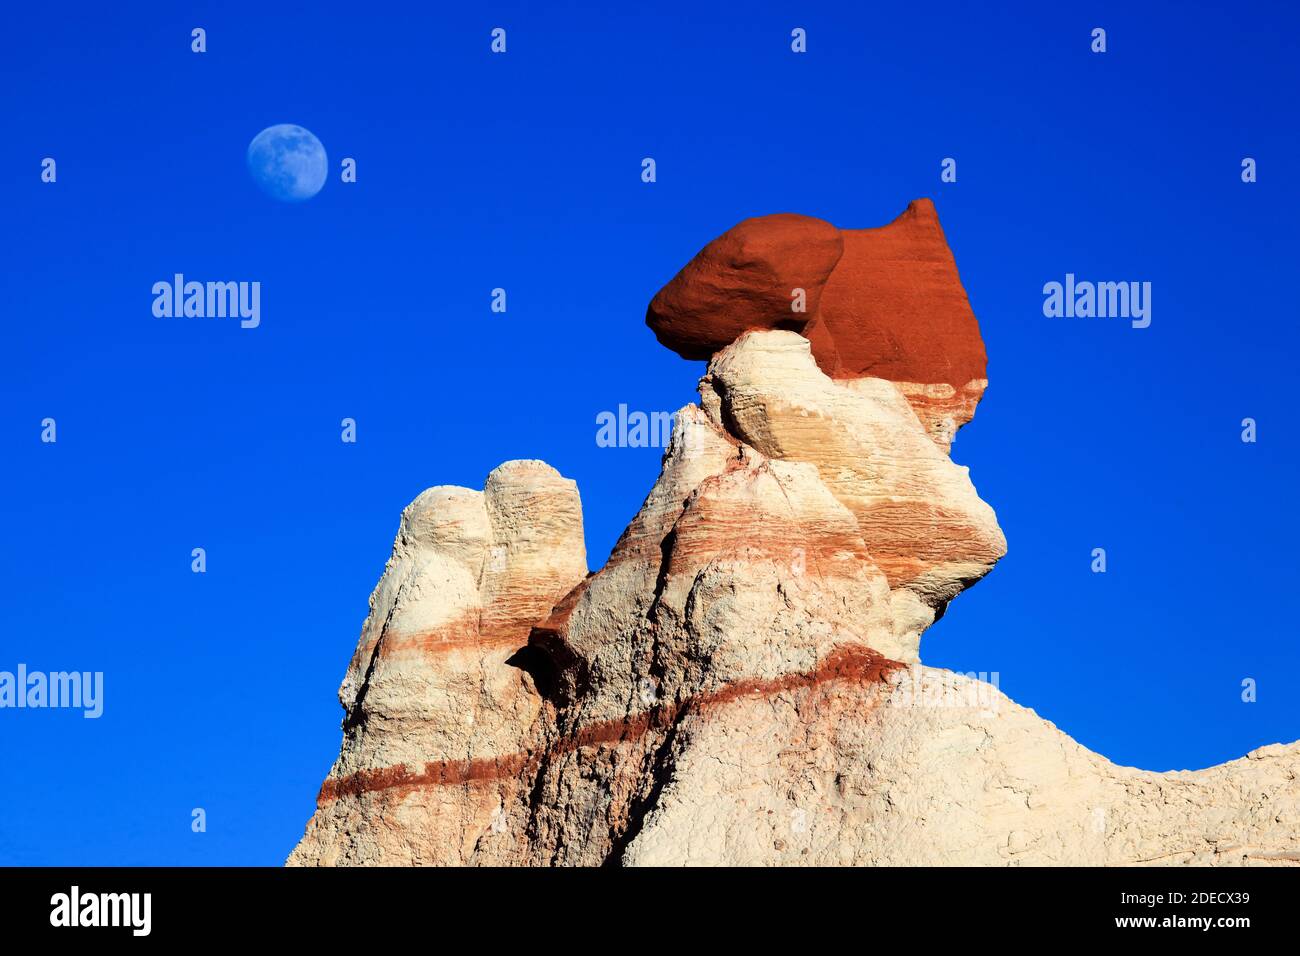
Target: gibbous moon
{"x": 288, "y": 162}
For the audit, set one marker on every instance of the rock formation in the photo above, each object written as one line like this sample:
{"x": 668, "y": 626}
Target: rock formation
{"x": 741, "y": 682}
{"x": 882, "y": 303}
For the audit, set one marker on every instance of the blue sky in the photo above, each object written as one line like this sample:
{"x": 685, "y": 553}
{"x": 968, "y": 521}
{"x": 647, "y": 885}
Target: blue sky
{"x": 522, "y": 171}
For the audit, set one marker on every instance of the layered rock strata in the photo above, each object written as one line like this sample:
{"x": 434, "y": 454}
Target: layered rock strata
{"x": 740, "y": 683}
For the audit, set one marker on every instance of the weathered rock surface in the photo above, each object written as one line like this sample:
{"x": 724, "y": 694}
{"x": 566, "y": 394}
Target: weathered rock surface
{"x": 883, "y": 303}
{"x": 748, "y": 278}
{"x": 429, "y": 698}
{"x": 894, "y": 306}
{"x": 740, "y": 683}
{"x": 922, "y": 521}
{"x": 932, "y": 768}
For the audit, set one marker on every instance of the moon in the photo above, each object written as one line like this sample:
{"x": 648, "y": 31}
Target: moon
{"x": 288, "y": 162}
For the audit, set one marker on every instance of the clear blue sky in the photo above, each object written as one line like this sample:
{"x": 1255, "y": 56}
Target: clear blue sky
{"x": 523, "y": 171}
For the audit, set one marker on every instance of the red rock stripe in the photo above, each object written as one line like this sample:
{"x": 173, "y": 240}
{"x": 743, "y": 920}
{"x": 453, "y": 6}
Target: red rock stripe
{"x": 856, "y": 665}
{"x": 467, "y": 632}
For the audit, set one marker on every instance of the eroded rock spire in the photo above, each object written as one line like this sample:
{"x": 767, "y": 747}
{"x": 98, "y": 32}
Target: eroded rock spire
{"x": 741, "y": 682}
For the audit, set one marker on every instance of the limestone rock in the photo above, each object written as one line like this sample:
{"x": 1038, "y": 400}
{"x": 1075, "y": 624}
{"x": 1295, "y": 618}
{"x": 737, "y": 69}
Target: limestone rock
{"x": 923, "y": 523}
{"x": 431, "y": 702}
{"x": 741, "y": 682}
{"x": 927, "y": 767}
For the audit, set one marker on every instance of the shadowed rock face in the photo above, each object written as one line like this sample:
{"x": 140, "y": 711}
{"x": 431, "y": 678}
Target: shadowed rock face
{"x": 741, "y": 682}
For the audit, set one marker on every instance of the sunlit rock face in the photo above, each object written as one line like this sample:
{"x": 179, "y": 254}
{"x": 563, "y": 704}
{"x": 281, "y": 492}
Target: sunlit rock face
{"x": 741, "y": 682}
{"x": 431, "y": 703}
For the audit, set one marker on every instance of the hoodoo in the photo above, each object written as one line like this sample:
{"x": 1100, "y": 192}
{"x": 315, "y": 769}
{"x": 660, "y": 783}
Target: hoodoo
{"x": 741, "y": 682}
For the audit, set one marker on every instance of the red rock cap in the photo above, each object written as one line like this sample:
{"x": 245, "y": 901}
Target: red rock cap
{"x": 884, "y": 302}
{"x": 745, "y": 279}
